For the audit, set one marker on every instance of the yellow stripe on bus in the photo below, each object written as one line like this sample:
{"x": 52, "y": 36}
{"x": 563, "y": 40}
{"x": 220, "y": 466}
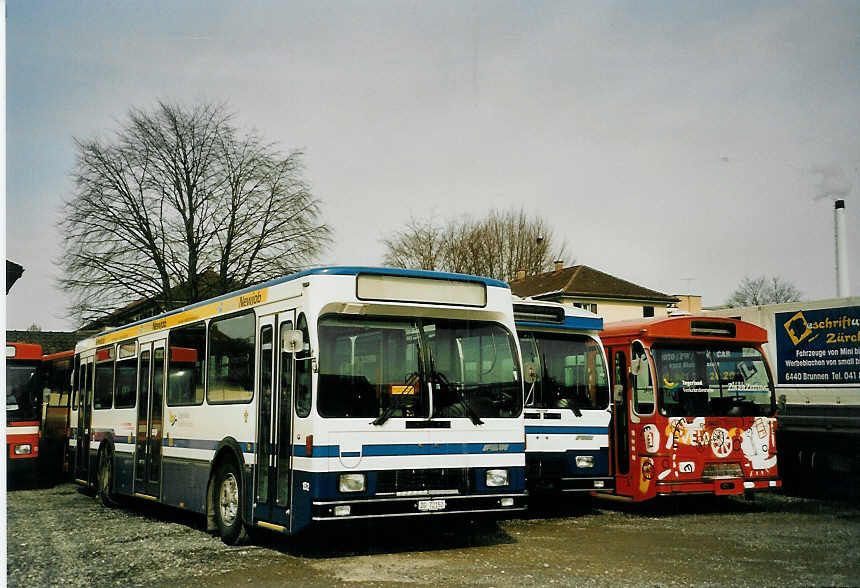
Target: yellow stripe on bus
{"x": 271, "y": 526}
{"x": 198, "y": 313}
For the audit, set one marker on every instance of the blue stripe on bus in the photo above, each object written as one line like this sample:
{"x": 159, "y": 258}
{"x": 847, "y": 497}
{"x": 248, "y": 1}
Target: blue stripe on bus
{"x": 205, "y": 444}
{"x": 570, "y": 322}
{"x": 570, "y": 430}
{"x": 317, "y": 451}
{"x": 411, "y": 449}
{"x": 442, "y": 448}
{"x": 189, "y": 443}
{"x": 299, "y": 450}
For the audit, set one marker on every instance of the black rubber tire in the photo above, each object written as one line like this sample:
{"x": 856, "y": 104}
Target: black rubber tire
{"x": 228, "y": 504}
{"x": 104, "y": 481}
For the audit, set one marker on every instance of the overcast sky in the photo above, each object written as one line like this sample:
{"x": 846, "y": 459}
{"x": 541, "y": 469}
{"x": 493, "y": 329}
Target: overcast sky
{"x": 674, "y": 145}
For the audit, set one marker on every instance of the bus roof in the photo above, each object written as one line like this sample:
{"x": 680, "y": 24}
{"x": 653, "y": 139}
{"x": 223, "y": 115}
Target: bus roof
{"x": 58, "y": 355}
{"x": 23, "y": 350}
{"x": 689, "y": 328}
{"x": 319, "y": 271}
{"x": 537, "y": 313}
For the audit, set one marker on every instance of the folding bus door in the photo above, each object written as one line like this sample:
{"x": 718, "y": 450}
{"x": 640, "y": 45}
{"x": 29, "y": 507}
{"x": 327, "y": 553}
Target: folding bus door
{"x": 85, "y": 413}
{"x": 274, "y": 423}
{"x": 150, "y": 408}
{"x": 621, "y": 415}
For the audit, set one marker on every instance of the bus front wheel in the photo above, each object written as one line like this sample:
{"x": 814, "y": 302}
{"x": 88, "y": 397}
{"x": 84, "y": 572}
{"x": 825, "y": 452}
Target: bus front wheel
{"x": 228, "y": 504}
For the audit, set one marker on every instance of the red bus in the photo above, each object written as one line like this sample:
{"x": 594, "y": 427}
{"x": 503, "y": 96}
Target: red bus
{"x": 23, "y": 411}
{"x": 693, "y": 407}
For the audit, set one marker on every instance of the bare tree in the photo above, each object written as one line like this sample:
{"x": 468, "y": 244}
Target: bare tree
{"x": 763, "y": 290}
{"x": 178, "y": 191}
{"x": 495, "y": 246}
{"x": 418, "y": 246}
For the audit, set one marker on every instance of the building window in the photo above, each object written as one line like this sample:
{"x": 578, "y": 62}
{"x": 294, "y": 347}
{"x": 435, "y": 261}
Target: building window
{"x": 589, "y": 306}
{"x": 647, "y": 311}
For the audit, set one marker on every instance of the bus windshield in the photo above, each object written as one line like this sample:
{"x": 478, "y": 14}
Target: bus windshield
{"x": 23, "y": 392}
{"x": 568, "y": 371}
{"x": 713, "y": 380}
{"x": 401, "y": 367}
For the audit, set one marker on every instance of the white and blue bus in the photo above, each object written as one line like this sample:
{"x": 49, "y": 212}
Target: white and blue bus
{"x": 331, "y": 394}
{"x": 567, "y": 412}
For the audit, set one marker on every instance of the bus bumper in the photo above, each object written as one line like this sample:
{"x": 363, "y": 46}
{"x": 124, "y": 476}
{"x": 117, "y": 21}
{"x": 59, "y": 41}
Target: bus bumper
{"x": 719, "y": 487}
{"x": 414, "y": 505}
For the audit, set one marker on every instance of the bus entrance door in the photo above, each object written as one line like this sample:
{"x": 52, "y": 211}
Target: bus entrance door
{"x": 82, "y": 432}
{"x": 621, "y": 418}
{"x": 150, "y": 401}
{"x": 274, "y": 423}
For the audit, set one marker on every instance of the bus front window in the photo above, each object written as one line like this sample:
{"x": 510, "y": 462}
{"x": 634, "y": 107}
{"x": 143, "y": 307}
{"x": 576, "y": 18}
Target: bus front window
{"x": 369, "y": 367}
{"x": 23, "y": 393}
{"x": 713, "y": 380}
{"x": 569, "y": 371}
{"x": 382, "y": 368}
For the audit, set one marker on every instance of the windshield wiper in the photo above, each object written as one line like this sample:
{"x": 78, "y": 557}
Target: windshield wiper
{"x": 413, "y": 380}
{"x": 577, "y": 413}
{"x": 386, "y": 414}
{"x": 571, "y": 400}
{"x": 461, "y": 397}
{"x": 556, "y": 386}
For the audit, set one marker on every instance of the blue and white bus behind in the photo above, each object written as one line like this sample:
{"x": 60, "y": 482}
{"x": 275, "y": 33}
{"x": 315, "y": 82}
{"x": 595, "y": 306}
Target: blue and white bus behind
{"x": 335, "y": 393}
{"x": 567, "y": 413}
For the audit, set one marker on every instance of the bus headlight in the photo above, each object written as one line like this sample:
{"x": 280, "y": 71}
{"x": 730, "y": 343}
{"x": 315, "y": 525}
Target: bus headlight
{"x": 23, "y": 449}
{"x": 496, "y": 478}
{"x": 585, "y": 462}
{"x": 352, "y": 482}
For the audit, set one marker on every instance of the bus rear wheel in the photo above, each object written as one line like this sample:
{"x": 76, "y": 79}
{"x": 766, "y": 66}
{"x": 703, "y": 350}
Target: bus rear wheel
{"x": 228, "y": 504}
{"x": 105, "y": 479}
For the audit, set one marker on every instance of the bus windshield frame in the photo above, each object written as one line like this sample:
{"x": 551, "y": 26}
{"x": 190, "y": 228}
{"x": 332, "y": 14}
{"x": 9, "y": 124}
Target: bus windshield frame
{"x": 23, "y": 391}
{"x": 381, "y": 367}
{"x": 564, "y": 376}
{"x": 713, "y": 379}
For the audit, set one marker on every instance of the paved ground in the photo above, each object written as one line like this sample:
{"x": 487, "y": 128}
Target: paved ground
{"x": 62, "y": 537}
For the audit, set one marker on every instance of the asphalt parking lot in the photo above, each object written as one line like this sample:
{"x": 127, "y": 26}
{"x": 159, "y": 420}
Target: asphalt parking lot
{"x": 61, "y": 536}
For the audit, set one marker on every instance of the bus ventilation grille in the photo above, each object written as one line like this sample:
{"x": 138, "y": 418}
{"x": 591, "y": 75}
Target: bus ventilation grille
{"x": 391, "y": 481}
{"x": 720, "y": 470}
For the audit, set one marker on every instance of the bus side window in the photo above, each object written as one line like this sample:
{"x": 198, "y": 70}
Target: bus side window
{"x": 231, "y": 359}
{"x": 303, "y": 371}
{"x": 185, "y": 366}
{"x": 643, "y": 385}
{"x": 103, "y": 390}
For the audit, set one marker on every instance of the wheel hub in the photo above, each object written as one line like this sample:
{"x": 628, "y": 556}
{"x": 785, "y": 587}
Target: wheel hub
{"x": 228, "y": 502}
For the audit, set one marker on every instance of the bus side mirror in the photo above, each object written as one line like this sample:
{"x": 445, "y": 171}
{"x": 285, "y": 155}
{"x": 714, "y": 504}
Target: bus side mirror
{"x": 529, "y": 372}
{"x": 292, "y": 342}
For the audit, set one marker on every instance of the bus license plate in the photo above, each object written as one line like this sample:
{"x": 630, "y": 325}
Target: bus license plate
{"x": 431, "y": 505}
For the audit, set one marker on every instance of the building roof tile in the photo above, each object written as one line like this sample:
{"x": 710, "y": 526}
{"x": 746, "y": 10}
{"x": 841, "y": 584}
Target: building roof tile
{"x": 585, "y": 282}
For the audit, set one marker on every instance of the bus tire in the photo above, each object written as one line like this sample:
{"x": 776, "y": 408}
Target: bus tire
{"x": 228, "y": 504}
{"x": 105, "y": 479}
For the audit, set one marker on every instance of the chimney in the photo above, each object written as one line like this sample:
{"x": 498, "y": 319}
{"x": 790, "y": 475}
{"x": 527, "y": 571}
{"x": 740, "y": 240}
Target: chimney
{"x": 559, "y": 264}
{"x": 521, "y": 274}
{"x": 842, "y": 287}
